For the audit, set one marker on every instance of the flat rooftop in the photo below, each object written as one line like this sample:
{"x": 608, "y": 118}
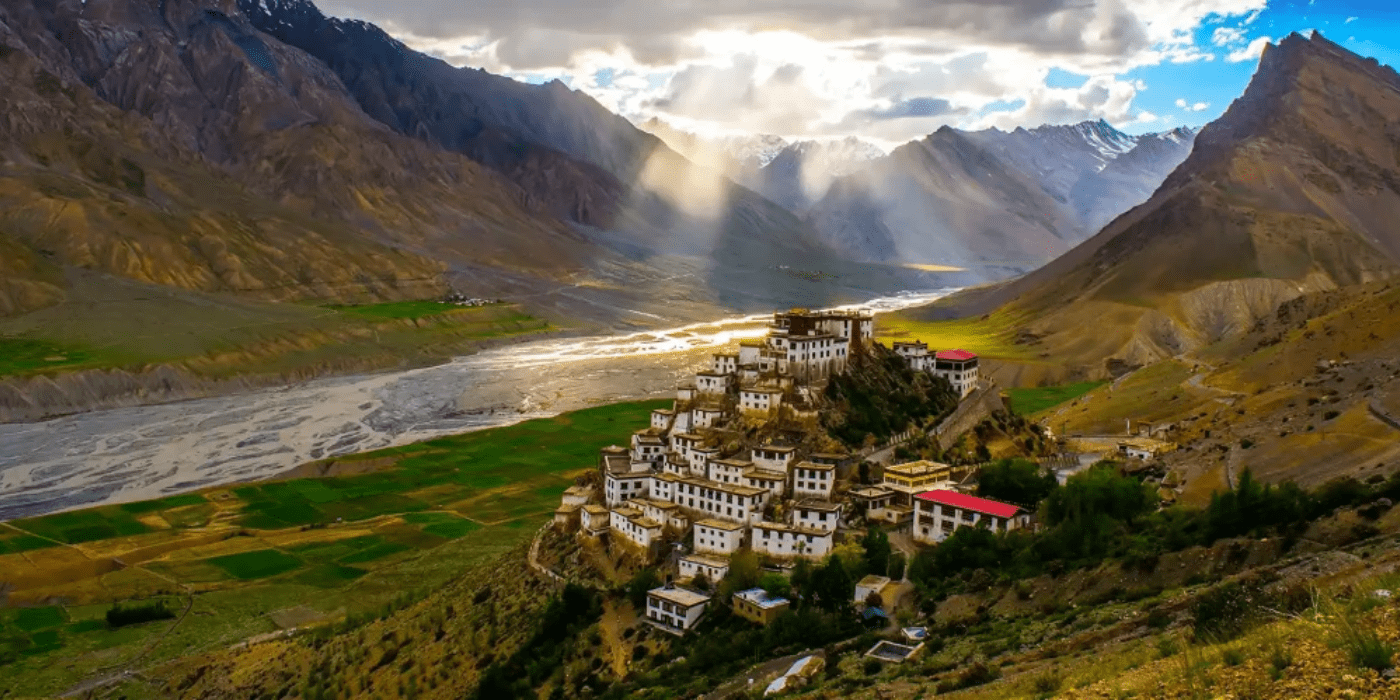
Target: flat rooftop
{"x": 762, "y": 599}
{"x": 683, "y": 597}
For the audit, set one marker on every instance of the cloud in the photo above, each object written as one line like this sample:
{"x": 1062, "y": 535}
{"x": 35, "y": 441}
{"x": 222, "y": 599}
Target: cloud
{"x": 1350, "y": 20}
{"x": 1225, "y": 36}
{"x": 1190, "y": 107}
{"x": 1250, "y": 52}
{"x": 901, "y": 68}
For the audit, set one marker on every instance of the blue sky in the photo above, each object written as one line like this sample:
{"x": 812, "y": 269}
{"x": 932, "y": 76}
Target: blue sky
{"x": 1375, "y": 33}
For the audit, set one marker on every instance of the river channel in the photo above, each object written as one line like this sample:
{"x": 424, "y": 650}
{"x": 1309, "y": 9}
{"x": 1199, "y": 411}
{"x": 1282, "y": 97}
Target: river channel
{"x": 130, "y": 454}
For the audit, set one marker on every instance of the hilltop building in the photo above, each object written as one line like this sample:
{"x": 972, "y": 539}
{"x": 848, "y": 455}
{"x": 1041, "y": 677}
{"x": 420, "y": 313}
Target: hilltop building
{"x": 960, "y": 367}
{"x": 689, "y": 477}
{"x": 937, "y": 514}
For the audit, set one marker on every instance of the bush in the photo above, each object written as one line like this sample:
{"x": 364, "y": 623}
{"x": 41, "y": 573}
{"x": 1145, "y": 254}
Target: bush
{"x": 871, "y": 667}
{"x": 1048, "y": 683}
{"x": 120, "y": 616}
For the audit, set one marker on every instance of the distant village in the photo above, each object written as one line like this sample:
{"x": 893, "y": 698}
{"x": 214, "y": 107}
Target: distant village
{"x": 675, "y": 483}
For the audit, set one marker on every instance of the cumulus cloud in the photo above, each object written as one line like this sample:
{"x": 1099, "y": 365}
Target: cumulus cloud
{"x": 1191, "y": 107}
{"x": 899, "y": 68}
{"x": 1250, "y": 52}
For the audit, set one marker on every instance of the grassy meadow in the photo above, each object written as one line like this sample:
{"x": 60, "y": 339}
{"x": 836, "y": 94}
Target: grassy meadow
{"x": 1033, "y": 400}
{"x": 992, "y": 336}
{"x": 258, "y": 558}
{"x": 116, "y": 324}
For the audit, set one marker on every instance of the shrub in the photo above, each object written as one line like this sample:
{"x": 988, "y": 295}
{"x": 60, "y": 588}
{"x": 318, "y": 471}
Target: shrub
{"x": 1232, "y": 657}
{"x": 1048, "y": 683}
{"x": 120, "y": 616}
{"x": 871, "y": 667}
{"x": 1158, "y": 618}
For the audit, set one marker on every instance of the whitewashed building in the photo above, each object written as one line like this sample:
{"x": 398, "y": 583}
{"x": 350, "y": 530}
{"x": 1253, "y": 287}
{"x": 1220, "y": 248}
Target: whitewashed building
{"x": 709, "y": 499}
{"x": 937, "y": 514}
{"x": 707, "y": 416}
{"x": 785, "y": 541}
{"x": 594, "y": 519}
{"x": 713, "y": 569}
{"x": 729, "y": 471}
{"x": 725, "y": 363}
{"x": 811, "y": 480}
{"x": 960, "y": 368}
{"x": 619, "y": 488}
{"x": 817, "y": 515}
{"x": 916, "y": 354}
{"x": 648, "y": 447}
{"x": 675, "y": 610}
{"x": 635, "y": 527}
{"x": 718, "y": 537}
{"x": 775, "y": 483}
{"x": 711, "y": 383}
{"x": 760, "y": 399}
{"x": 662, "y": 418}
{"x": 773, "y": 458}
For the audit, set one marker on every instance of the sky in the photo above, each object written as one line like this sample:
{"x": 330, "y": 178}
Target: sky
{"x": 888, "y": 71}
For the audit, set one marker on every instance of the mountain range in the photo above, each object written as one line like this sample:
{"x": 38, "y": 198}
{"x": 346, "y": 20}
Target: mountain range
{"x": 1294, "y": 190}
{"x": 992, "y": 197}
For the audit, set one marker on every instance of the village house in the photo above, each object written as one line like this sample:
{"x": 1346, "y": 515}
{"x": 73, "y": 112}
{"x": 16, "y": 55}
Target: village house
{"x": 595, "y": 520}
{"x": 912, "y": 478}
{"x": 566, "y": 516}
{"x": 707, "y": 499}
{"x": 675, "y": 610}
{"x": 663, "y": 487}
{"x": 817, "y": 515}
{"x": 960, "y": 368}
{"x": 916, "y": 354}
{"x": 760, "y": 399}
{"x": 662, "y": 418}
{"x": 872, "y": 584}
{"x": 756, "y": 605}
{"x": 686, "y": 393}
{"x": 707, "y": 416}
{"x": 718, "y": 537}
{"x": 842, "y": 462}
{"x": 700, "y": 458}
{"x": 615, "y": 459}
{"x": 577, "y": 495}
{"x": 871, "y": 498}
{"x": 729, "y": 471}
{"x": 775, "y": 483}
{"x": 725, "y": 363}
{"x": 648, "y": 447}
{"x": 619, "y": 488}
{"x": 711, "y": 383}
{"x": 714, "y": 569}
{"x": 635, "y": 527}
{"x": 937, "y": 514}
{"x": 666, "y": 513}
{"x": 785, "y": 541}
{"x": 773, "y": 458}
{"x": 813, "y": 480}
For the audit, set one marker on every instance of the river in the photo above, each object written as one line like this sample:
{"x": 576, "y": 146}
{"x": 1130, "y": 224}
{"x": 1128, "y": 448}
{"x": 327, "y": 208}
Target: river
{"x": 131, "y": 454}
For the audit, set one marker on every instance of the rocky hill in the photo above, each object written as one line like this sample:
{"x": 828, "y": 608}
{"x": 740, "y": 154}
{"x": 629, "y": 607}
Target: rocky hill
{"x": 1017, "y": 198}
{"x": 265, "y": 150}
{"x": 1292, "y": 190}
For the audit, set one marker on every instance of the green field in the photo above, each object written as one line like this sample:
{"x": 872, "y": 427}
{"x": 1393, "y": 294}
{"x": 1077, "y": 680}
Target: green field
{"x": 991, "y": 336}
{"x": 259, "y": 564}
{"x": 459, "y": 500}
{"x": 27, "y": 356}
{"x": 404, "y": 309}
{"x": 1028, "y": 402}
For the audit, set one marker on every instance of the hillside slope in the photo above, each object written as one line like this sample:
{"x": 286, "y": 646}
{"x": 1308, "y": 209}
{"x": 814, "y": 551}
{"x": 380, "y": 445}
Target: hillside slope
{"x": 171, "y": 143}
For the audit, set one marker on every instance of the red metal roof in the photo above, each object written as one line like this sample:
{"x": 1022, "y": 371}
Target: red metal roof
{"x": 966, "y": 502}
{"x": 957, "y": 355}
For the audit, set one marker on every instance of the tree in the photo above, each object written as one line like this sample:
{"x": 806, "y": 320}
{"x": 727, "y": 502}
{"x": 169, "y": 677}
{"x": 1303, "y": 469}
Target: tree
{"x": 877, "y": 551}
{"x": 801, "y": 577}
{"x": 743, "y": 573}
{"x": 852, "y": 556}
{"x": 701, "y": 582}
{"x": 895, "y": 570}
{"x": 642, "y": 581}
{"x": 775, "y": 585}
{"x": 832, "y": 585}
{"x": 1016, "y": 481}
{"x": 873, "y": 600}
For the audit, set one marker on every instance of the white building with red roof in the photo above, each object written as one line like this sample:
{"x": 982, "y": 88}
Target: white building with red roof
{"x": 960, "y": 368}
{"x": 938, "y": 513}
